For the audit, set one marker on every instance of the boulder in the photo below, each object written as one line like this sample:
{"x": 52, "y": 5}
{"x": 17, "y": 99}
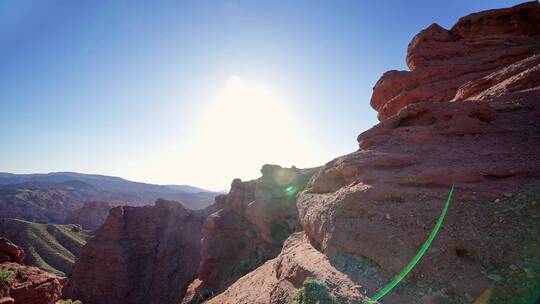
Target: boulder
{"x": 10, "y": 252}
{"x": 32, "y": 285}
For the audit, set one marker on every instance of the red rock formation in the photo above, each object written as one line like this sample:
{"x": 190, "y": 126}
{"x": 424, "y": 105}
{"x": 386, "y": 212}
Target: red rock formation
{"x": 248, "y": 227}
{"x": 277, "y": 281}
{"x": 140, "y": 255}
{"x": 29, "y": 285}
{"x": 463, "y": 62}
{"x": 469, "y": 112}
{"x": 90, "y": 216}
{"x": 10, "y": 252}
{"x": 34, "y": 286}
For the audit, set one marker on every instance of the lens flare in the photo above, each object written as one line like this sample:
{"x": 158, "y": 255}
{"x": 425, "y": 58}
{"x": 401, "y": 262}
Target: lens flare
{"x": 485, "y": 296}
{"x": 418, "y": 256}
{"x": 290, "y": 190}
{"x": 284, "y": 177}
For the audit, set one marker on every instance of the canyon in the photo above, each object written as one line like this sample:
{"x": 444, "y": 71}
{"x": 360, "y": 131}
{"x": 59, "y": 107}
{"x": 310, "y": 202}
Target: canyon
{"x": 466, "y": 114}
{"x": 166, "y": 252}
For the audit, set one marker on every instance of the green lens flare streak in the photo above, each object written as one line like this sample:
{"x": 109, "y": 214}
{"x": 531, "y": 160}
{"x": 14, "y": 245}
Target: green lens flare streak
{"x": 418, "y": 256}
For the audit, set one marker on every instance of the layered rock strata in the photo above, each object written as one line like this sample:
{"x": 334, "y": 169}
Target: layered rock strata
{"x": 248, "y": 227}
{"x": 140, "y": 255}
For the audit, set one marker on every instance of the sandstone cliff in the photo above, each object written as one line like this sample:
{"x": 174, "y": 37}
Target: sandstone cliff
{"x": 248, "y": 227}
{"x": 484, "y": 55}
{"x": 140, "y": 255}
{"x": 467, "y": 112}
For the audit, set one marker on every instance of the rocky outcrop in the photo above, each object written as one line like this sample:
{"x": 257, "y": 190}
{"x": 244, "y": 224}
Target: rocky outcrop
{"x": 34, "y": 286}
{"x": 278, "y": 280}
{"x": 10, "y": 252}
{"x": 248, "y": 227}
{"x": 90, "y": 216}
{"x": 484, "y": 55}
{"x": 139, "y": 255}
{"x": 26, "y": 285}
{"x": 468, "y": 112}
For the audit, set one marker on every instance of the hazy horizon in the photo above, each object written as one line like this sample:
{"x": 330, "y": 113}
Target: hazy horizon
{"x": 196, "y": 93}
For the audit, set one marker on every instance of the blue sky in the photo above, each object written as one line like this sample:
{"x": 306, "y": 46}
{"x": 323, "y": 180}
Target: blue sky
{"x": 197, "y": 92}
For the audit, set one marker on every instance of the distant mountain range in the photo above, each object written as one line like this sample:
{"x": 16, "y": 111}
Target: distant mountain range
{"x": 53, "y": 197}
{"x": 103, "y": 182}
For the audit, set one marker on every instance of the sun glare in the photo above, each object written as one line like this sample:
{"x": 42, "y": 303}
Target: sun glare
{"x": 246, "y": 126}
{"x": 234, "y": 83}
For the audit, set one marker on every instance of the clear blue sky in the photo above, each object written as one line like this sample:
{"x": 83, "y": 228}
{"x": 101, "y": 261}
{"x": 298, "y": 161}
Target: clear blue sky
{"x": 147, "y": 90}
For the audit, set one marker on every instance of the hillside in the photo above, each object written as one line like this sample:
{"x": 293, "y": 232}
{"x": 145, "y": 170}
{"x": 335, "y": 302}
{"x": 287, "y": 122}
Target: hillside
{"x": 52, "y": 248}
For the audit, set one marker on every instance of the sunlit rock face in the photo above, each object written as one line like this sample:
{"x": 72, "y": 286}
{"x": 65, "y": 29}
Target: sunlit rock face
{"x": 248, "y": 227}
{"x": 468, "y": 112}
{"x": 277, "y": 281}
{"x": 140, "y": 255}
{"x": 484, "y": 55}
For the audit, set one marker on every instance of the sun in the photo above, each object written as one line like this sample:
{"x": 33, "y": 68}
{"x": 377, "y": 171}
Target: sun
{"x": 250, "y": 109}
{"x": 246, "y": 126}
{"x": 234, "y": 83}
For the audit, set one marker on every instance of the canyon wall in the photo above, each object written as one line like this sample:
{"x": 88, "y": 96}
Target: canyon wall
{"x": 467, "y": 112}
{"x": 139, "y": 255}
{"x": 151, "y": 254}
{"x": 248, "y": 227}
